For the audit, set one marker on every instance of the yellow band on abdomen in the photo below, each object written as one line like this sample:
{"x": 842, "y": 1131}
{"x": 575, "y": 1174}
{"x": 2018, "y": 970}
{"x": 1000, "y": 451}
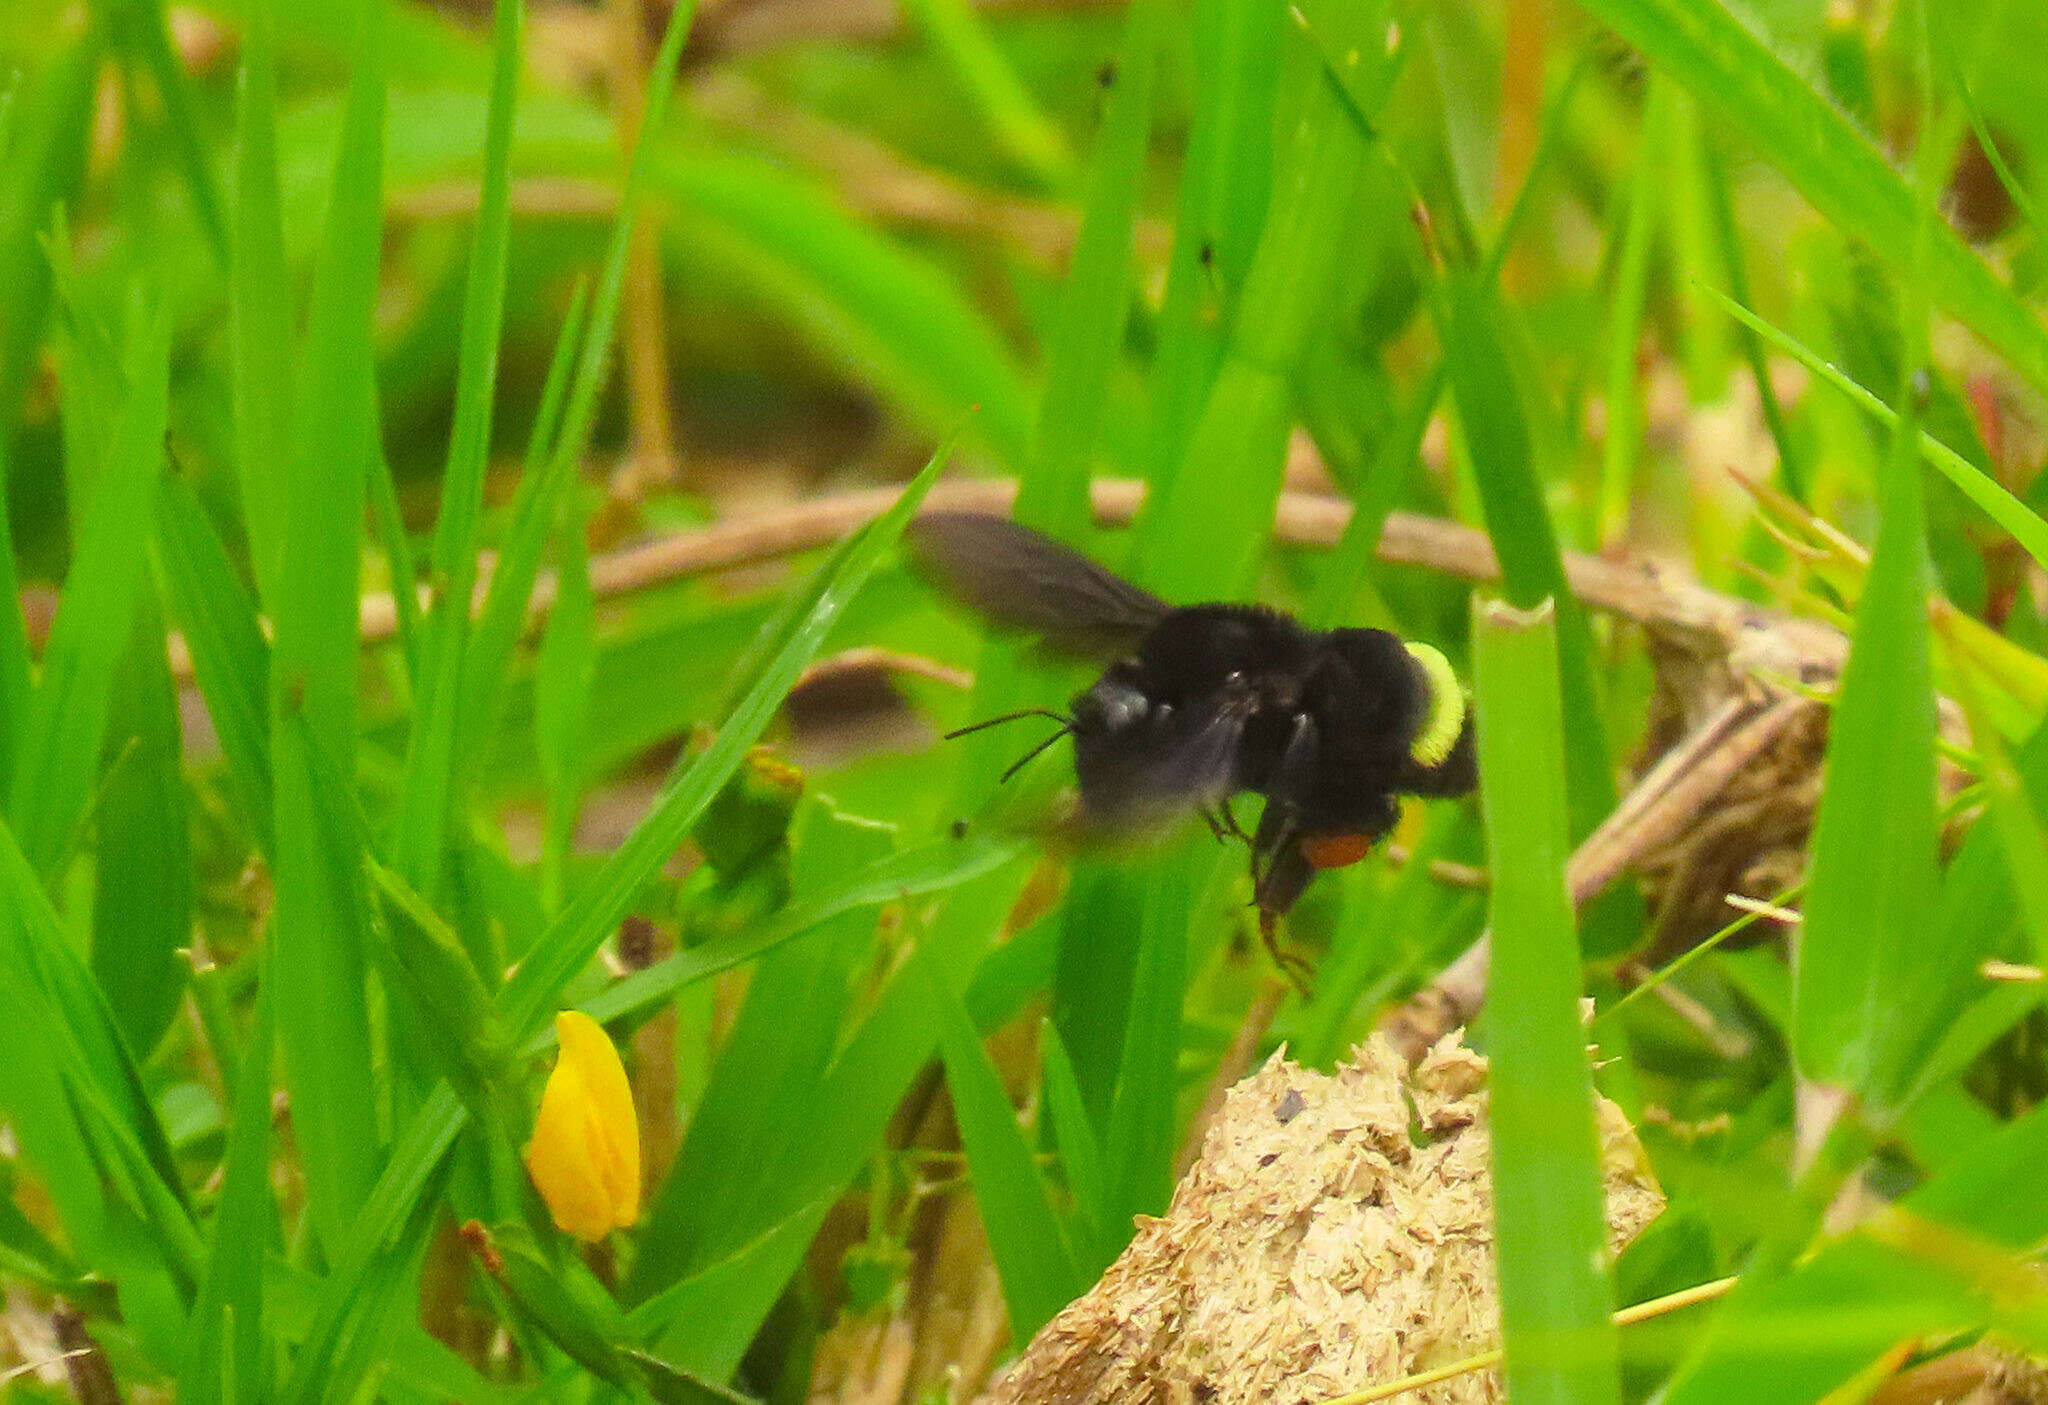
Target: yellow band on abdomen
{"x": 1446, "y": 707}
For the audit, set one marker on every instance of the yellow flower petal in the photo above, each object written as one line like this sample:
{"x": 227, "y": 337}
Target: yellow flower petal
{"x": 585, "y": 1154}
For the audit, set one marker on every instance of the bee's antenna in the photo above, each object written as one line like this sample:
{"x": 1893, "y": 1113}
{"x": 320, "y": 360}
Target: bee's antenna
{"x": 1021, "y": 762}
{"x": 1017, "y": 716}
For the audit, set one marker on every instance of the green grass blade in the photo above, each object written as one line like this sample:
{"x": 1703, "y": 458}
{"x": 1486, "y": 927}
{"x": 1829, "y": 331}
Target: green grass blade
{"x": 1013, "y": 116}
{"x": 397, "y": 548}
{"x": 563, "y": 675}
{"x": 534, "y": 510}
{"x": 59, "y": 761}
{"x": 1088, "y": 330}
{"x": 502, "y": 620}
{"x": 2000, "y": 506}
{"x": 52, "y": 116}
{"x": 1793, "y": 469}
{"x": 1490, "y": 408}
{"x": 1080, "y": 1151}
{"x": 1860, "y": 992}
{"x": 526, "y": 1000}
{"x": 756, "y": 1103}
{"x": 260, "y": 309}
{"x": 712, "y": 1316}
{"x": 1225, "y": 180}
{"x": 1959, "y": 84}
{"x": 228, "y": 1362}
{"x": 881, "y": 1059}
{"x": 590, "y": 916}
{"x": 230, "y": 656}
{"x": 1620, "y": 448}
{"x": 99, "y": 1073}
{"x": 1224, "y": 491}
{"x": 926, "y": 868}
{"x": 1550, "y": 1227}
{"x": 1734, "y": 73}
{"x": 427, "y": 800}
{"x": 318, "y": 953}
{"x": 142, "y": 904}
{"x": 151, "y": 36}
{"x": 1144, "y": 1119}
{"x": 1795, "y": 1339}
{"x": 1029, "y": 1244}
{"x": 2014, "y": 819}
{"x": 705, "y": 1295}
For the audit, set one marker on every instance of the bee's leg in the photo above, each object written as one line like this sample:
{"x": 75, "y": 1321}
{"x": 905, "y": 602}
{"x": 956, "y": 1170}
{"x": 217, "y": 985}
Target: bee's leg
{"x": 1230, "y": 827}
{"x": 1280, "y": 874}
{"x": 1222, "y": 822}
{"x": 1292, "y": 965}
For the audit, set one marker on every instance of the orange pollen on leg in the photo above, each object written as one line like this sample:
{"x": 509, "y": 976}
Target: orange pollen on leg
{"x": 1335, "y": 850}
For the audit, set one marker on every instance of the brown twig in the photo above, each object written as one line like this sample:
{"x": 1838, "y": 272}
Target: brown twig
{"x": 1684, "y": 613}
{"x": 92, "y": 1375}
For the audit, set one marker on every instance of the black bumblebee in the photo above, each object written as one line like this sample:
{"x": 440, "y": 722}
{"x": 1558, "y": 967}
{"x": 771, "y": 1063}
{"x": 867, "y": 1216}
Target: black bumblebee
{"x": 1200, "y": 702}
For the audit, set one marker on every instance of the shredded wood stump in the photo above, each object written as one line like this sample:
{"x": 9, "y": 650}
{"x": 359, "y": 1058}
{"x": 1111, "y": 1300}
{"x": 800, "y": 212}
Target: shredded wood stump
{"x": 1336, "y": 1233}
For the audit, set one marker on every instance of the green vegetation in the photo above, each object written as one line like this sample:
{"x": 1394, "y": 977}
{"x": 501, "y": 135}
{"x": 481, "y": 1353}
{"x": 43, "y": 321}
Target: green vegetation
{"x": 373, "y": 696}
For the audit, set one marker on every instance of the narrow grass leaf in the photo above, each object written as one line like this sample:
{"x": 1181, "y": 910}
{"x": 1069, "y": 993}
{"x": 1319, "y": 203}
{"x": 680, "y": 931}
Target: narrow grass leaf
{"x": 52, "y": 116}
{"x": 562, "y": 682}
{"x": 318, "y": 954}
{"x": 142, "y": 902}
{"x": 587, "y": 920}
{"x": 1225, "y": 181}
{"x": 260, "y": 308}
{"x": 756, "y": 1103}
{"x": 1734, "y": 73}
{"x": 228, "y": 1362}
{"x": 535, "y": 506}
{"x": 498, "y": 626}
{"x": 1012, "y": 115}
{"x": 701, "y": 1297}
{"x": 59, "y": 761}
{"x": 351, "y": 1297}
{"x": 398, "y": 564}
{"x": 1144, "y": 1117}
{"x": 2022, "y": 837}
{"x": 1080, "y": 1151}
{"x": 1795, "y": 1339}
{"x": 100, "y": 1077}
{"x": 2025, "y": 525}
{"x": 1793, "y": 469}
{"x": 1620, "y": 447}
{"x": 1860, "y": 993}
{"x": 1497, "y": 429}
{"x": 149, "y": 34}
{"x": 1223, "y": 492}
{"x": 708, "y": 1320}
{"x": 427, "y": 799}
{"x": 915, "y": 872}
{"x": 1029, "y": 1244}
{"x": 230, "y": 657}
{"x": 1088, "y": 329}
{"x": 1550, "y": 1225}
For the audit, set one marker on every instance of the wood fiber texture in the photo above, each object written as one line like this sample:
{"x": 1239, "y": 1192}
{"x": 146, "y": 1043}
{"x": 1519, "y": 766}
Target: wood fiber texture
{"x": 1336, "y": 1233}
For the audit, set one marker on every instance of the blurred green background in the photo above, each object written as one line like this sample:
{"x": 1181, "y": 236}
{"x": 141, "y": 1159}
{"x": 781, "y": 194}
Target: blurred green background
{"x": 425, "y": 494}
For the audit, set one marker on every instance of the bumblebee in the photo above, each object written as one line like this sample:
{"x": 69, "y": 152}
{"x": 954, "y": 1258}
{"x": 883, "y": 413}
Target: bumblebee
{"x": 1200, "y": 703}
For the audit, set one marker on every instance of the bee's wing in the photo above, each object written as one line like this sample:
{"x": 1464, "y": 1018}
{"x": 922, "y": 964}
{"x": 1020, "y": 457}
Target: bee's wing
{"x": 1018, "y": 578}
